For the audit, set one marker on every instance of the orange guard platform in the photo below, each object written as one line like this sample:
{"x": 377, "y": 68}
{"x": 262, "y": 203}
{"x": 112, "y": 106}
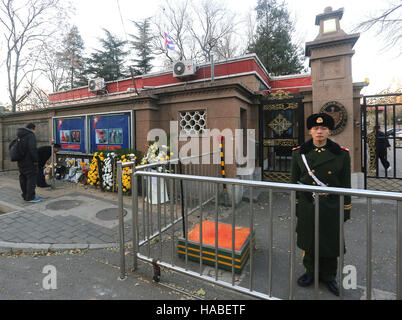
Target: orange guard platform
{"x": 242, "y": 245}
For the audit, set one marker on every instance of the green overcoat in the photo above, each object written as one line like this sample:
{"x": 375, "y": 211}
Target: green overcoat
{"x": 331, "y": 165}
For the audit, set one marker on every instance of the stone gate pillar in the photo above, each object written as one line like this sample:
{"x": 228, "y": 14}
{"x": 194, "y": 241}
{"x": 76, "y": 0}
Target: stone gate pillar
{"x": 333, "y": 90}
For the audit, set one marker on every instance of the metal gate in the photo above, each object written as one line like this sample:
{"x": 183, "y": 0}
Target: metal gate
{"x": 281, "y": 128}
{"x": 382, "y": 141}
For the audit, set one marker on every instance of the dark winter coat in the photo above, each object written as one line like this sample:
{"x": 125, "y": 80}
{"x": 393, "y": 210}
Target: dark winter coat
{"x": 382, "y": 142}
{"x": 28, "y": 141}
{"x": 44, "y": 154}
{"x": 331, "y": 165}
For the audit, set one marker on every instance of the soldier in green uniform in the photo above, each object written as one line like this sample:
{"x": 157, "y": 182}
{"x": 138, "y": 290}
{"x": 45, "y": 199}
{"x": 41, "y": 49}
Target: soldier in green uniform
{"x": 330, "y": 164}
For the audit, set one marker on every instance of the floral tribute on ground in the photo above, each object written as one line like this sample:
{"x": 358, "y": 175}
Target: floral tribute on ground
{"x": 103, "y": 170}
{"x": 156, "y": 153}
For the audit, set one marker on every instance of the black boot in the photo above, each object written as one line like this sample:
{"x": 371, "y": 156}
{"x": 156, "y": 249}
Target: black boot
{"x": 333, "y": 287}
{"x": 44, "y": 185}
{"x": 305, "y": 280}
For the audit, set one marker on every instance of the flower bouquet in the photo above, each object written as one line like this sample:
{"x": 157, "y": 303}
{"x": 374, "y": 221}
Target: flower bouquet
{"x": 155, "y": 154}
{"x": 126, "y": 178}
{"x": 95, "y": 170}
{"x": 84, "y": 176}
{"x": 108, "y": 169}
{"x": 48, "y": 170}
{"x": 71, "y": 169}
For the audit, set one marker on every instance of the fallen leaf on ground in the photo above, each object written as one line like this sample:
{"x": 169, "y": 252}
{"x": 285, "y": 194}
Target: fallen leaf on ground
{"x": 201, "y": 292}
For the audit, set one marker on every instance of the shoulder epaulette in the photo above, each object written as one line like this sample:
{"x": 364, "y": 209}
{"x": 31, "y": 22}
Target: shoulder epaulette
{"x": 346, "y": 149}
{"x": 296, "y": 148}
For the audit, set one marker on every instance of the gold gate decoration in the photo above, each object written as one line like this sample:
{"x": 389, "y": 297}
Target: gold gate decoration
{"x": 371, "y": 141}
{"x": 280, "y": 95}
{"x": 280, "y": 124}
{"x": 281, "y": 142}
{"x": 393, "y": 185}
{"x": 281, "y": 106}
{"x": 277, "y": 176}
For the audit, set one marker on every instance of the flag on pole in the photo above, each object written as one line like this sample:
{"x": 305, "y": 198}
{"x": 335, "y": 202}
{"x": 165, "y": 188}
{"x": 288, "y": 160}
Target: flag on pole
{"x": 96, "y": 119}
{"x": 169, "y": 42}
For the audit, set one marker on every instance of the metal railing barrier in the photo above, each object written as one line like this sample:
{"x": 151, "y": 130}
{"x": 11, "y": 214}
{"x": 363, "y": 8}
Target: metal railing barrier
{"x": 203, "y": 164}
{"x": 193, "y": 197}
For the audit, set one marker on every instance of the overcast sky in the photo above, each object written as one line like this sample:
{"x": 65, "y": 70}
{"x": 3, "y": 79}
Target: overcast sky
{"x": 370, "y": 60}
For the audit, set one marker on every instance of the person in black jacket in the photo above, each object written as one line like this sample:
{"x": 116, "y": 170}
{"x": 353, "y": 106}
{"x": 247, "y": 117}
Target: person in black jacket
{"x": 28, "y": 167}
{"x": 44, "y": 154}
{"x": 382, "y": 144}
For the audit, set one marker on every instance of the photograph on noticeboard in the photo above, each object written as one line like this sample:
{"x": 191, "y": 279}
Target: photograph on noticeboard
{"x": 75, "y": 136}
{"x": 116, "y": 136}
{"x": 101, "y": 136}
{"x": 65, "y": 136}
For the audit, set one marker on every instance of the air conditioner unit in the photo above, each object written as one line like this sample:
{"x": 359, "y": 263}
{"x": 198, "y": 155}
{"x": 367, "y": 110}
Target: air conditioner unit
{"x": 184, "y": 68}
{"x": 96, "y": 84}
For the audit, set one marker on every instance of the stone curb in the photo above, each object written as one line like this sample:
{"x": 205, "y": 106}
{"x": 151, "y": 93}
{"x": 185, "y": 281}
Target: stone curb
{"x": 31, "y": 247}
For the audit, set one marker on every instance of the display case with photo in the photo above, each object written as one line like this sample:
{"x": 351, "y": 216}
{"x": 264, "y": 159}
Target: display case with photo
{"x": 109, "y": 131}
{"x": 69, "y": 133}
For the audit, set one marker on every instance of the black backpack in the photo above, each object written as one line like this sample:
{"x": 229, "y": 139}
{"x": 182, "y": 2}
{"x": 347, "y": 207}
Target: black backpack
{"x": 16, "y": 150}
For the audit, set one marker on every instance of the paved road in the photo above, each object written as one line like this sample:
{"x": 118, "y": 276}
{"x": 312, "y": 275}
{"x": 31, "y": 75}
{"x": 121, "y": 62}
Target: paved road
{"x": 93, "y": 275}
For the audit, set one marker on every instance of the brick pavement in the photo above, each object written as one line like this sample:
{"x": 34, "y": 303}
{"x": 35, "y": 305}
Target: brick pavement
{"x": 27, "y": 225}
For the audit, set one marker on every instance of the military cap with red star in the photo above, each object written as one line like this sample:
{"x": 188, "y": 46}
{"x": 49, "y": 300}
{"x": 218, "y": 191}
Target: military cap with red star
{"x": 320, "y": 119}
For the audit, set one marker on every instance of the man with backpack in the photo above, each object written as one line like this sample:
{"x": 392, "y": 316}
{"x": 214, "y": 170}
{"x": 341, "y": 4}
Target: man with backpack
{"x": 23, "y": 150}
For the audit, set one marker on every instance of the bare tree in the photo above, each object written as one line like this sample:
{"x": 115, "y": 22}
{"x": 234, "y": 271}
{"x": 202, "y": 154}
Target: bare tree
{"x": 37, "y": 98}
{"x": 214, "y": 25}
{"x": 387, "y": 23}
{"x": 52, "y": 67}
{"x": 174, "y": 19}
{"x": 158, "y": 42}
{"x": 198, "y": 29}
{"x": 25, "y": 24}
{"x": 227, "y": 47}
{"x": 251, "y": 26}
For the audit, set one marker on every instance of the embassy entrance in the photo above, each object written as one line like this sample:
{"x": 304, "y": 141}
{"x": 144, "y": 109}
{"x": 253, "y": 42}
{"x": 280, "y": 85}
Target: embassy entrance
{"x": 281, "y": 128}
{"x": 382, "y": 147}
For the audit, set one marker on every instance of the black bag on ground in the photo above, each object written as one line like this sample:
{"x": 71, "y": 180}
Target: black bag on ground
{"x": 16, "y": 151}
{"x": 60, "y": 172}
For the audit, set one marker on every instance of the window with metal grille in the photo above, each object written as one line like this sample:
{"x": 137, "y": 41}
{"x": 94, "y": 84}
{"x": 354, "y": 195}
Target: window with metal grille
{"x": 192, "y": 122}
